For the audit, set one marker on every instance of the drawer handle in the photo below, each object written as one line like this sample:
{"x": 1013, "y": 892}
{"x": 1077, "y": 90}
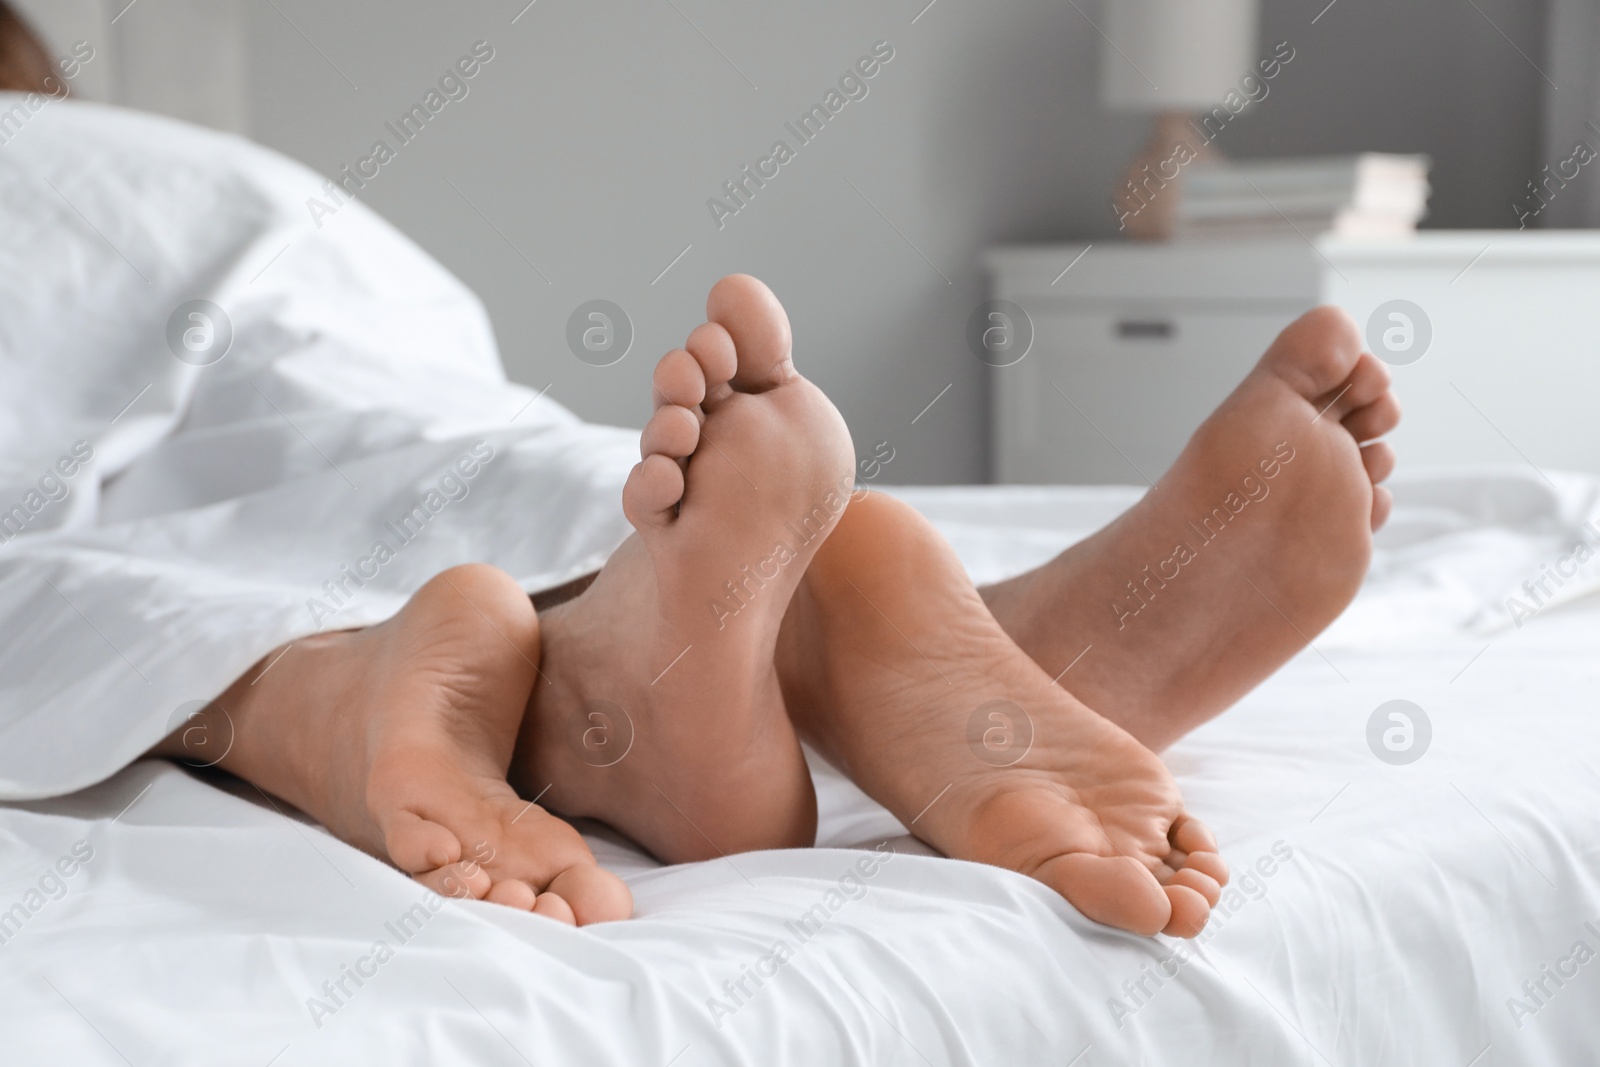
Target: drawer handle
{"x": 1146, "y": 329}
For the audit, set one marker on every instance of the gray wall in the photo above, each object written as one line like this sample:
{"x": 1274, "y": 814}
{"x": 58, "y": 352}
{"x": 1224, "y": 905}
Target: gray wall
{"x": 592, "y": 141}
{"x": 595, "y": 137}
{"x": 185, "y": 58}
{"x": 1572, "y": 114}
{"x": 1444, "y": 77}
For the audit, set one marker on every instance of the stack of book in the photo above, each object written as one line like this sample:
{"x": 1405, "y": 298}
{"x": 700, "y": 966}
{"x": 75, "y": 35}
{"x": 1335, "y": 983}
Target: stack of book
{"x": 1367, "y": 195}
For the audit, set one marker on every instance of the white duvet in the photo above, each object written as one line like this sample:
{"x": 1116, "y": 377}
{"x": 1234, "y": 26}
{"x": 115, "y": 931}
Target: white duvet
{"x": 1445, "y": 911}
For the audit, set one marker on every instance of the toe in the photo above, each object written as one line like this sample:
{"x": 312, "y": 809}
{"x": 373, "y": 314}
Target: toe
{"x": 1378, "y": 458}
{"x": 1114, "y": 890}
{"x": 1189, "y": 912}
{"x": 416, "y": 844}
{"x": 672, "y": 431}
{"x": 1210, "y": 864}
{"x": 655, "y": 485}
{"x": 594, "y": 894}
{"x": 1382, "y": 505}
{"x": 461, "y": 881}
{"x": 679, "y": 380}
{"x": 1200, "y": 882}
{"x": 553, "y": 906}
{"x": 1190, "y": 835}
{"x": 1316, "y": 353}
{"x": 755, "y": 320}
{"x": 1369, "y": 381}
{"x": 513, "y": 893}
{"x": 712, "y": 347}
{"x": 1373, "y": 420}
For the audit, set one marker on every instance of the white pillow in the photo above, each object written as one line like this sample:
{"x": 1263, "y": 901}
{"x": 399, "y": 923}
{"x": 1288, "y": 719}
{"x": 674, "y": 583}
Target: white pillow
{"x": 117, "y": 221}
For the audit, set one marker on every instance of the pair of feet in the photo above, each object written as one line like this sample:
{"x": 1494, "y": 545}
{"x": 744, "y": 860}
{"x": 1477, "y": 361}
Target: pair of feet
{"x": 753, "y": 607}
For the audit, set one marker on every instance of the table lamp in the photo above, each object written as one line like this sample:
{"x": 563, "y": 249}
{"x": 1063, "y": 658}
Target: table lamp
{"x": 1179, "y": 59}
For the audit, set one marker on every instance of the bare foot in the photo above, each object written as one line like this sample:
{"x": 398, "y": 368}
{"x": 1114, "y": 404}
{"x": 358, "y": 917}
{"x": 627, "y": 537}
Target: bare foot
{"x": 397, "y": 739}
{"x": 662, "y": 715}
{"x": 896, "y": 671}
{"x": 1243, "y": 552}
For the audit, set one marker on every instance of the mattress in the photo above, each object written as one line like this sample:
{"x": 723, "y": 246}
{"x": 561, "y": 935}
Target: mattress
{"x": 1439, "y": 908}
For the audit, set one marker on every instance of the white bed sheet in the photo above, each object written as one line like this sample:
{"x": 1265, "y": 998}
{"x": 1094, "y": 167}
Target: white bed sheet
{"x": 1392, "y": 914}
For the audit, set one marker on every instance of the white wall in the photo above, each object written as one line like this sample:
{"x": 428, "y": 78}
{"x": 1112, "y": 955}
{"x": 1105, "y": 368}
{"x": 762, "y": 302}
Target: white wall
{"x": 593, "y": 139}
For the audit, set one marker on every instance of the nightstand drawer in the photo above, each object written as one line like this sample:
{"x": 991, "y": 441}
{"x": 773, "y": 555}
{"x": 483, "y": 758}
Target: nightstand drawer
{"x": 1110, "y": 394}
{"x": 1144, "y": 339}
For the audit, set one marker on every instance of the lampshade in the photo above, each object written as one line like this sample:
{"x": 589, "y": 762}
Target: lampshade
{"x": 1164, "y": 55}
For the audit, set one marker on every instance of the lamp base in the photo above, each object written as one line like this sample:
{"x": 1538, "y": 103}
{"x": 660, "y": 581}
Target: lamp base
{"x": 1145, "y": 199}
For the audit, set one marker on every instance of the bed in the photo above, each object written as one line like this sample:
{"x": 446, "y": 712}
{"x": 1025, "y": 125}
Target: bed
{"x": 1421, "y": 889}
{"x": 1442, "y": 911}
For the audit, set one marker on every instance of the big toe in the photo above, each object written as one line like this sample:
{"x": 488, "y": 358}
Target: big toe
{"x": 551, "y": 856}
{"x": 1114, "y": 890}
{"x": 1316, "y": 353}
{"x": 416, "y": 844}
{"x": 594, "y": 894}
{"x": 751, "y": 314}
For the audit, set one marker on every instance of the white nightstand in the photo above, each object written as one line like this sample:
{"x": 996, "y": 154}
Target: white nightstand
{"x": 1135, "y": 344}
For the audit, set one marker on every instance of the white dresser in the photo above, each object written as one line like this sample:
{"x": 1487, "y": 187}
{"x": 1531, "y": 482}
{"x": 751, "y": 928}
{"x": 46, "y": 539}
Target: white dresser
{"x": 1135, "y": 344}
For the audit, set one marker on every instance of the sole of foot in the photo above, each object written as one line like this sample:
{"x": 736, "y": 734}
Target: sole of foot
{"x": 397, "y": 738}
{"x": 1247, "y": 548}
{"x": 898, "y": 674}
{"x": 661, "y": 712}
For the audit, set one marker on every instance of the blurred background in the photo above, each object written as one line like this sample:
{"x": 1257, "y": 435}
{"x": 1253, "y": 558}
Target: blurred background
{"x": 580, "y": 164}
